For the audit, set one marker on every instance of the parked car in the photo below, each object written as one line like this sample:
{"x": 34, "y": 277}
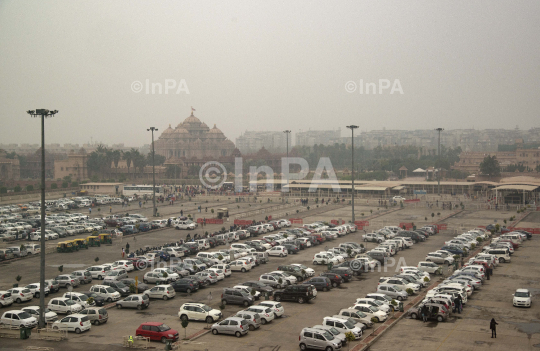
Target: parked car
{"x": 106, "y": 292}
{"x": 266, "y": 313}
{"x": 18, "y": 318}
{"x": 522, "y": 297}
{"x": 157, "y": 331}
{"x": 233, "y": 325}
{"x": 64, "y": 305}
{"x": 313, "y": 338}
{"x": 298, "y": 293}
{"x": 50, "y": 316}
{"x": 96, "y": 315}
{"x": 436, "y": 311}
{"x": 164, "y": 292}
{"x": 139, "y": 301}
{"x": 20, "y": 294}
{"x": 199, "y": 312}
{"x": 236, "y": 297}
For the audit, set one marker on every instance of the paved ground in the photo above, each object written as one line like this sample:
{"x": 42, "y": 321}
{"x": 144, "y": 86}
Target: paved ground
{"x": 283, "y": 333}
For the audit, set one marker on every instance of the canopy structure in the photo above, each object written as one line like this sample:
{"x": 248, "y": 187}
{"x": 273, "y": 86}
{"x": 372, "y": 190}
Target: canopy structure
{"x": 521, "y": 187}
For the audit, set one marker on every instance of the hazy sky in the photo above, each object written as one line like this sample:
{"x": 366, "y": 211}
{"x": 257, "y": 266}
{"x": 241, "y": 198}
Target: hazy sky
{"x": 265, "y": 65}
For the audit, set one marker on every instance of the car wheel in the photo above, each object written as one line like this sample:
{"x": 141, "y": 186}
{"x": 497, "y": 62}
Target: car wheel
{"x": 78, "y": 331}
{"x": 251, "y": 327}
{"x": 263, "y": 321}
{"x": 414, "y": 316}
{"x": 18, "y": 301}
{"x": 224, "y": 302}
{"x": 328, "y": 348}
{"x": 96, "y": 322}
{"x": 501, "y": 260}
{"x": 36, "y": 295}
{"x": 303, "y": 347}
{"x": 277, "y": 298}
{"x": 245, "y": 303}
{"x": 214, "y": 331}
{"x": 243, "y": 270}
{"x": 100, "y": 277}
{"x": 301, "y": 300}
{"x": 440, "y": 318}
{"x": 139, "y": 307}
{"x": 165, "y": 297}
{"x": 55, "y": 327}
{"x": 209, "y": 320}
{"x": 119, "y": 306}
{"x": 164, "y": 340}
{"x": 188, "y": 291}
{"x": 334, "y": 284}
{"x": 325, "y": 289}
{"x": 400, "y": 298}
{"x": 145, "y": 281}
{"x": 238, "y": 334}
{"x": 315, "y": 262}
{"x": 109, "y": 300}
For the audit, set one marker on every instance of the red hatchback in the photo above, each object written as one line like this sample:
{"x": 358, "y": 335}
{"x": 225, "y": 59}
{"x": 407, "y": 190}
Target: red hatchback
{"x": 157, "y": 331}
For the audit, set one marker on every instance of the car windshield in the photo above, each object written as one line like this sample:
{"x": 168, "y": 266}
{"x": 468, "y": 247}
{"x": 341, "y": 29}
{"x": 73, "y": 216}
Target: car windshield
{"x": 70, "y": 302}
{"x": 521, "y": 294}
{"x": 328, "y": 335}
{"x": 374, "y": 309}
{"x": 24, "y": 315}
{"x": 206, "y": 308}
{"x": 110, "y": 290}
{"x": 349, "y": 325}
{"x": 164, "y": 327}
{"x": 120, "y": 285}
{"x": 83, "y": 297}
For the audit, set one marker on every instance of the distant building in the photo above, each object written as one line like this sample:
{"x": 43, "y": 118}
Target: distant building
{"x": 252, "y": 141}
{"x": 9, "y": 168}
{"x": 318, "y": 137}
{"x": 75, "y": 166}
{"x": 470, "y": 161}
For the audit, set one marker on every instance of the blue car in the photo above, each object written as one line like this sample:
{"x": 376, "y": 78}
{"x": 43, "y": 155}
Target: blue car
{"x": 144, "y": 227}
{"x": 163, "y": 256}
{"x": 454, "y": 250}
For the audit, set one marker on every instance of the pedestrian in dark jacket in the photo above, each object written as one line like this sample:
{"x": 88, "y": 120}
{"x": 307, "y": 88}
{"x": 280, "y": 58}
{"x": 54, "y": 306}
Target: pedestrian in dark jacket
{"x": 493, "y": 327}
{"x": 459, "y": 303}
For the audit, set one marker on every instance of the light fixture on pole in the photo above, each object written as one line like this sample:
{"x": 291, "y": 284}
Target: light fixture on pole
{"x": 286, "y": 132}
{"x": 43, "y": 113}
{"x": 352, "y": 128}
{"x": 439, "y": 168}
{"x": 153, "y": 172}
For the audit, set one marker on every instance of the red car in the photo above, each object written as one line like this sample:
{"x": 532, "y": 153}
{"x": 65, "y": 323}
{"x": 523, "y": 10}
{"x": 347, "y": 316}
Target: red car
{"x": 515, "y": 246}
{"x": 138, "y": 263}
{"x": 318, "y": 237}
{"x": 157, "y": 331}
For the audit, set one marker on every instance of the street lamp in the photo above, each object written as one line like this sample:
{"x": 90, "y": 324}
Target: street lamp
{"x": 43, "y": 113}
{"x": 153, "y": 171}
{"x": 352, "y": 128}
{"x": 286, "y": 132}
{"x": 439, "y": 168}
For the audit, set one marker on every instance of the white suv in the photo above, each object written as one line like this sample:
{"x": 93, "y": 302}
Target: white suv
{"x": 108, "y": 293}
{"x": 522, "y": 297}
{"x": 199, "y": 312}
{"x": 64, "y": 305}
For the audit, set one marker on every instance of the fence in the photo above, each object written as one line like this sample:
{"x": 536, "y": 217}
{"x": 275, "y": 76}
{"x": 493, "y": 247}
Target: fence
{"x": 51, "y": 334}
{"x": 139, "y": 342}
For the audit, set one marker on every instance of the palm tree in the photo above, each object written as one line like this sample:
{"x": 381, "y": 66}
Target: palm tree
{"x": 109, "y": 157}
{"x": 116, "y": 156}
{"x": 139, "y": 161}
{"x": 128, "y": 157}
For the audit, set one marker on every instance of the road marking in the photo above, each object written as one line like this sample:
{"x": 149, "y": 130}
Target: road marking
{"x": 442, "y": 342}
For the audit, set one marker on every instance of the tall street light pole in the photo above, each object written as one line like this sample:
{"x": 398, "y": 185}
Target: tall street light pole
{"x": 352, "y": 128}
{"x": 153, "y": 171}
{"x": 43, "y": 113}
{"x": 286, "y": 132}
{"x": 439, "y": 168}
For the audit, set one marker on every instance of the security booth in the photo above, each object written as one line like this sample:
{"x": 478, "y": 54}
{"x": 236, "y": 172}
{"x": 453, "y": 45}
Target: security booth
{"x": 222, "y": 213}
{"x": 93, "y": 241}
{"x": 105, "y": 238}
{"x": 80, "y": 243}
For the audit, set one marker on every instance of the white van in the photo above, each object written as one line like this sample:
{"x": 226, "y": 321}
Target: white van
{"x": 204, "y": 244}
{"x": 343, "y": 326}
{"x": 501, "y": 254}
{"x": 187, "y": 224}
{"x": 33, "y": 249}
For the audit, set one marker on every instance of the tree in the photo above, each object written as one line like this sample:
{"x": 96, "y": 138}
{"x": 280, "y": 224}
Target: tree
{"x": 116, "y": 157}
{"x": 159, "y": 159}
{"x": 54, "y": 186}
{"x": 128, "y": 157}
{"x": 17, "y": 188}
{"x": 490, "y": 166}
{"x": 65, "y": 184}
{"x": 30, "y": 187}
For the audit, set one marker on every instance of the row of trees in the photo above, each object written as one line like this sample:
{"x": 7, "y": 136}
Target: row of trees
{"x": 102, "y": 160}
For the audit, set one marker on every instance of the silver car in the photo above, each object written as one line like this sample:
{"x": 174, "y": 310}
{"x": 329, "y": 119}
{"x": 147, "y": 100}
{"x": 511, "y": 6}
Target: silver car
{"x": 84, "y": 277}
{"x": 253, "y": 318}
{"x": 139, "y": 302}
{"x": 233, "y": 325}
{"x": 156, "y": 278}
{"x": 66, "y": 280}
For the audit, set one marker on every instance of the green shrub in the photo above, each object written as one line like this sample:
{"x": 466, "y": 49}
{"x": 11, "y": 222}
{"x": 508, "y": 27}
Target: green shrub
{"x": 410, "y": 291}
{"x": 54, "y": 186}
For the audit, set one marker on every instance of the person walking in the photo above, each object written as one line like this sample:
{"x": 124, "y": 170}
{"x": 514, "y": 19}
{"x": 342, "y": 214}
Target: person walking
{"x": 458, "y": 304}
{"x": 493, "y": 327}
{"x": 127, "y": 247}
{"x": 123, "y": 253}
{"x": 110, "y": 209}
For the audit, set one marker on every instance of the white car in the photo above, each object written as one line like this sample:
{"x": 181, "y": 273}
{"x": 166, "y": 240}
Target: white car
{"x": 240, "y": 266}
{"x": 125, "y": 264}
{"x": 64, "y": 305}
{"x": 429, "y": 267}
{"x": 106, "y": 292}
{"x": 372, "y": 302}
{"x": 290, "y": 279}
{"x": 266, "y": 313}
{"x": 98, "y": 272}
{"x": 324, "y": 258}
{"x": 50, "y": 316}
{"x": 172, "y": 275}
{"x": 402, "y": 283}
{"x": 35, "y": 289}
{"x": 116, "y": 275}
{"x": 371, "y": 311}
{"x": 439, "y": 257}
{"x": 226, "y": 268}
{"x": 198, "y": 312}
{"x": 76, "y": 322}
{"x": 5, "y": 299}
{"x": 18, "y": 318}
{"x": 280, "y": 251}
{"x": 78, "y": 297}
{"x": 164, "y": 292}
{"x": 21, "y": 294}
{"x": 219, "y": 272}
{"x": 276, "y": 307}
{"x": 331, "y": 255}
{"x": 522, "y": 297}
{"x": 247, "y": 290}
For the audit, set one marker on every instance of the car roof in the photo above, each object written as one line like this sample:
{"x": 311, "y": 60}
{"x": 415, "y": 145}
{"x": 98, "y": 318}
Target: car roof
{"x": 522, "y": 290}
{"x": 152, "y": 323}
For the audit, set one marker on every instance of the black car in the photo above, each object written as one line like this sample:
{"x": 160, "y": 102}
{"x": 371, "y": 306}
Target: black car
{"x": 99, "y": 301}
{"x": 212, "y": 241}
{"x": 122, "y": 288}
{"x": 185, "y": 285}
{"x": 140, "y": 286}
{"x": 320, "y": 283}
{"x": 378, "y": 256}
{"x": 256, "y": 246}
{"x": 260, "y": 287}
{"x": 414, "y": 236}
{"x": 291, "y": 248}
{"x": 335, "y": 279}
{"x": 193, "y": 248}
{"x": 201, "y": 283}
{"x": 300, "y": 293}
{"x": 344, "y": 272}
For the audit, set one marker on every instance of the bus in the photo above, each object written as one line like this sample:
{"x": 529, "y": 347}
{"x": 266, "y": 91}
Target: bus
{"x": 140, "y": 190}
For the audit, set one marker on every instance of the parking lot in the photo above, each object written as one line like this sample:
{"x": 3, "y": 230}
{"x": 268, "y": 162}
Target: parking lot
{"x": 283, "y": 333}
